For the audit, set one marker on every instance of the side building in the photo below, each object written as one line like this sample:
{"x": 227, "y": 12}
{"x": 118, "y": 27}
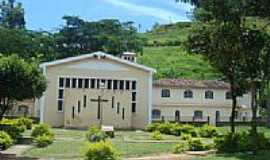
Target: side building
{"x": 196, "y": 100}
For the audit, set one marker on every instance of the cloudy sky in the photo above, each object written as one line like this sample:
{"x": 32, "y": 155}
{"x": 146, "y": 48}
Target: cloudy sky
{"x": 47, "y": 14}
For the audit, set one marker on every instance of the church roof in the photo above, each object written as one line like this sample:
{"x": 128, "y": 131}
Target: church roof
{"x": 99, "y": 55}
{"x": 188, "y": 83}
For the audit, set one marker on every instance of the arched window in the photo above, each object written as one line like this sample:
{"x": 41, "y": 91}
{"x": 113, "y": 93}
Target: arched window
{"x": 228, "y": 95}
{"x": 177, "y": 116}
{"x": 156, "y": 114}
{"x": 165, "y": 93}
{"x": 188, "y": 94}
{"x": 198, "y": 115}
{"x": 209, "y": 95}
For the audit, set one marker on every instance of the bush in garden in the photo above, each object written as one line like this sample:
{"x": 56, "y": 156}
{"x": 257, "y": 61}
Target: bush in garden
{"x": 5, "y": 140}
{"x": 257, "y": 141}
{"x": 186, "y": 137}
{"x": 152, "y": 127}
{"x": 27, "y": 122}
{"x": 12, "y": 127}
{"x": 232, "y": 142}
{"x": 196, "y": 145}
{"x": 176, "y": 130}
{"x": 94, "y": 134}
{"x": 157, "y": 136}
{"x": 42, "y": 129}
{"x": 101, "y": 151}
{"x": 180, "y": 148}
{"x": 165, "y": 128}
{"x": 43, "y": 140}
{"x": 208, "y": 131}
{"x": 189, "y": 129}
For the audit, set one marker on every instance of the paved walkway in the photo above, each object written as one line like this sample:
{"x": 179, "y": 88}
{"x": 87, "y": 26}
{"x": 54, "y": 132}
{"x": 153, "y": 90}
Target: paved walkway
{"x": 164, "y": 157}
{"x": 16, "y": 149}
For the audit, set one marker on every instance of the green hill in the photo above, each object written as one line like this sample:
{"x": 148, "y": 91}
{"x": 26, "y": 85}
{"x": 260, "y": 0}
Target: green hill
{"x": 163, "y": 52}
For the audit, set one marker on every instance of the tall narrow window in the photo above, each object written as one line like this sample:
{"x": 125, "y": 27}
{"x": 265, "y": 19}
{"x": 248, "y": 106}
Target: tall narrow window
{"x": 133, "y": 107}
{"x": 61, "y": 82}
{"x": 93, "y": 81}
{"x": 86, "y": 83}
{"x": 109, "y": 84}
{"x": 79, "y": 106}
{"x": 123, "y": 113}
{"x": 118, "y": 108}
{"x": 198, "y": 115}
{"x": 228, "y": 95}
{"x": 67, "y": 82}
{"x": 113, "y": 99}
{"x": 60, "y": 105}
{"x": 73, "y": 112}
{"x": 74, "y": 82}
{"x": 134, "y": 85}
{"x": 80, "y": 83}
{"x": 98, "y": 83}
{"x": 115, "y": 84}
{"x": 134, "y": 96}
{"x": 84, "y": 101}
{"x": 209, "y": 95}
{"x": 60, "y": 93}
{"x": 121, "y": 87}
{"x": 127, "y": 85}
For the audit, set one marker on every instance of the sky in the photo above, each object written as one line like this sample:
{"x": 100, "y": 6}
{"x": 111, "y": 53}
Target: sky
{"x": 47, "y": 14}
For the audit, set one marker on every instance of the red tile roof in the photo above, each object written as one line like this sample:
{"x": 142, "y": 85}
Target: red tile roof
{"x": 188, "y": 83}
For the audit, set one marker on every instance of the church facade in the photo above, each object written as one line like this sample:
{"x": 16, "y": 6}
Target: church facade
{"x": 101, "y": 89}
{"x": 96, "y": 89}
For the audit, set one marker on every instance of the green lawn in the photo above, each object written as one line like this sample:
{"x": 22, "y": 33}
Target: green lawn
{"x": 71, "y": 144}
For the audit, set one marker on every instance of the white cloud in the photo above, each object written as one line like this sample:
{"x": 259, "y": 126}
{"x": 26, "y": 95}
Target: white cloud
{"x": 160, "y": 13}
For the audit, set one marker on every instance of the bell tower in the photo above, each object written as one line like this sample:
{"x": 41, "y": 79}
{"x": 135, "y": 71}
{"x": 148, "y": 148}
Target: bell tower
{"x": 129, "y": 56}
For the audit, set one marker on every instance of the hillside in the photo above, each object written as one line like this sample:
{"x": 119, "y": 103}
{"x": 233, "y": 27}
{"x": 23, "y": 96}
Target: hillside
{"x": 163, "y": 52}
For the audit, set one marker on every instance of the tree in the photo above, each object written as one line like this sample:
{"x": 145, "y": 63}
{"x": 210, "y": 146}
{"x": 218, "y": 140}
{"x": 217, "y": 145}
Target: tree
{"x": 11, "y": 14}
{"x": 19, "y": 80}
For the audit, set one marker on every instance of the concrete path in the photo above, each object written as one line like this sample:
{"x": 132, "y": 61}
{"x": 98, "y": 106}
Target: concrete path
{"x": 164, "y": 157}
{"x": 17, "y": 149}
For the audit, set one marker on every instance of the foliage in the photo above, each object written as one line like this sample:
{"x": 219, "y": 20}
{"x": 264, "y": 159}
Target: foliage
{"x": 11, "y": 14}
{"x": 42, "y": 129}
{"x": 180, "y": 148}
{"x": 94, "y": 134}
{"x": 101, "y": 150}
{"x": 19, "y": 81}
{"x": 27, "y": 122}
{"x": 197, "y": 145}
{"x": 156, "y": 135}
{"x": 43, "y": 140}
{"x": 186, "y": 137}
{"x": 231, "y": 142}
{"x": 12, "y": 127}
{"x": 208, "y": 131}
{"x": 5, "y": 140}
{"x": 151, "y": 127}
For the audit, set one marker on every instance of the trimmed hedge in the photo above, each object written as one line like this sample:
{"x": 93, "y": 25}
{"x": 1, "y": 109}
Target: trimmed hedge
{"x": 13, "y": 127}
{"x": 94, "y": 134}
{"x": 101, "y": 151}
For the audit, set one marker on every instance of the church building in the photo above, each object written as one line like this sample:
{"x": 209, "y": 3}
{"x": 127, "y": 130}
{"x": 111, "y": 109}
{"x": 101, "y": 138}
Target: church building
{"x": 97, "y": 89}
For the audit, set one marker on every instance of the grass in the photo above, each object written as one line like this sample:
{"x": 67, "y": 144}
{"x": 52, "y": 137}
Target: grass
{"x": 71, "y": 144}
{"x": 174, "y": 62}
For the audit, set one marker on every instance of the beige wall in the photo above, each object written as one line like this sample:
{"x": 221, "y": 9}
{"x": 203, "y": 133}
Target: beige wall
{"x": 168, "y": 106}
{"x": 18, "y": 110}
{"x": 107, "y": 69}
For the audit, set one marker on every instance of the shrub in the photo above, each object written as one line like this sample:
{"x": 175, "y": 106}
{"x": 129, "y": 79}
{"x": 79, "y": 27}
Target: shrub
{"x": 101, "y": 151}
{"x": 176, "y": 130}
{"x": 257, "y": 141}
{"x": 152, "y": 127}
{"x": 180, "y": 148}
{"x": 157, "y": 136}
{"x": 5, "y": 140}
{"x": 196, "y": 145}
{"x": 94, "y": 134}
{"x": 186, "y": 137}
{"x": 208, "y": 131}
{"x": 232, "y": 142}
{"x": 189, "y": 129}
{"x": 42, "y": 129}
{"x": 12, "y": 127}
{"x": 165, "y": 128}
{"x": 27, "y": 122}
{"x": 43, "y": 140}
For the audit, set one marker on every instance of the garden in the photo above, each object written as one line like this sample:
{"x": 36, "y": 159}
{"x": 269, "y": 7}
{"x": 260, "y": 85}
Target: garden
{"x": 156, "y": 139}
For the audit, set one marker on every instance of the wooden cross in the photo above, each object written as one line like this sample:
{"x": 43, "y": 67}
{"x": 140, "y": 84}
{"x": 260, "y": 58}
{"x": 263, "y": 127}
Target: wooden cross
{"x": 100, "y": 110}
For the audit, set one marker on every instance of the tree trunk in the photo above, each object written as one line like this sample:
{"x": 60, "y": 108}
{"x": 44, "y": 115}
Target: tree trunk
{"x": 254, "y": 107}
{"x": 232, "y": 119}
{"x": 268, "y": 112}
